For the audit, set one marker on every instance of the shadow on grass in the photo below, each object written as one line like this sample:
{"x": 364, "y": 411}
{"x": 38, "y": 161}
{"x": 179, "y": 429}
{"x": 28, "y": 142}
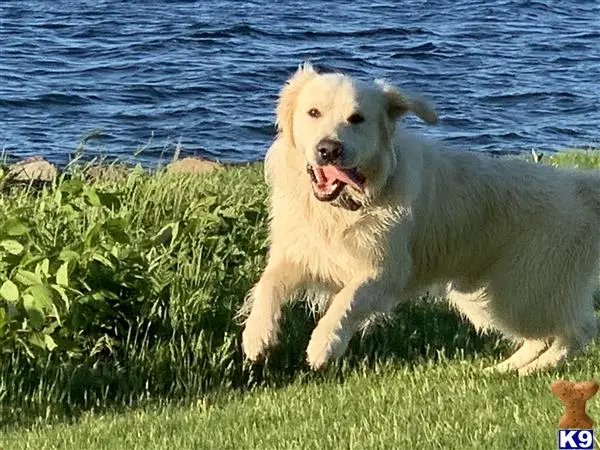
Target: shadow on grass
{"x": 419, "y": 331}
{"x": 181, "y": 370}
{"x": 207, "y": 361}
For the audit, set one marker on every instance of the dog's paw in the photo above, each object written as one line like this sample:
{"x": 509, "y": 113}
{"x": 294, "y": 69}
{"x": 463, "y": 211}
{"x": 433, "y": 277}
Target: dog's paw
{"x": 258, "y": 336}
{"x": 497, "y": 369}
{"x": 325, "y": 344}
{"x": 503, "y": 367}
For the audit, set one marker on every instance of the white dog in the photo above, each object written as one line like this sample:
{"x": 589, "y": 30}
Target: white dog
{"x": 368, "y": 215}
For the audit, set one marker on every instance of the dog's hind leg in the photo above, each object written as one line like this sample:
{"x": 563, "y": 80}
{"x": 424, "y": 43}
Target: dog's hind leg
{"x": 261, "y": 331}
{"x": 579, "y": 327}
{"x": 563, "y": 347}
{"x": 559, "y": 351}
{"x": 475, "y": 306}
{"x": 529, "y": 350}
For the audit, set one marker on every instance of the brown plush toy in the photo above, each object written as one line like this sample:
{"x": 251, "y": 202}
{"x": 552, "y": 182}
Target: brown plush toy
{"x": 575, "y": 396}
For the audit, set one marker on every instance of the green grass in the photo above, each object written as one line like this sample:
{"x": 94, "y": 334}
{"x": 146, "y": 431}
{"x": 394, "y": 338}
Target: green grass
{"x": 444, "y": 405}
{"x": 118, "y": 330}
{"x": 580, "y": 158}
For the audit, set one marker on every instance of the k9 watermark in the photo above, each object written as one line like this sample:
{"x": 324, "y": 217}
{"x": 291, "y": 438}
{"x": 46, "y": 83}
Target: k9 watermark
{"x": 575, "y": 439}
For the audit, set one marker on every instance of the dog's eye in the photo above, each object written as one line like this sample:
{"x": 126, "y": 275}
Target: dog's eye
{"x": 356, "y": 118}
{"x": 314, "y": 113}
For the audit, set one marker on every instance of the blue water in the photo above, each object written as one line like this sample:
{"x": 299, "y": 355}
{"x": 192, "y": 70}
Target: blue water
{"x": 506, "y": 76}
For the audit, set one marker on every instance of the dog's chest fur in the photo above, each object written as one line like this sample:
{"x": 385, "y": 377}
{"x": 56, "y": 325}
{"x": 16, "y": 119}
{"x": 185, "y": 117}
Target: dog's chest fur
{"x": 330, "y": 244}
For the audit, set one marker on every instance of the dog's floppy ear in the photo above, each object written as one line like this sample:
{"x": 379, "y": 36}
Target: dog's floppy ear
{"x": 288, "y": 96}
{"x": 399, "y": 104}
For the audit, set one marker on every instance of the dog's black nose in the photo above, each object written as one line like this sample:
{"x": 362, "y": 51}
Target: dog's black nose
{"x": 329, "y": 150}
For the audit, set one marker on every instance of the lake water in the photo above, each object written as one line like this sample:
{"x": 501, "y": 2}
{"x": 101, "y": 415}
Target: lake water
{"x": 506, "y": 76}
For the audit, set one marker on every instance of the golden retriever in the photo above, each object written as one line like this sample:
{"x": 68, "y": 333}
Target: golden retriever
{"x": 365, "y": 214}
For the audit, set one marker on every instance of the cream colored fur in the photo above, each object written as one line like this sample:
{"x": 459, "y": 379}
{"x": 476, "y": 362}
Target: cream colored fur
{"x": 516, "y": 245}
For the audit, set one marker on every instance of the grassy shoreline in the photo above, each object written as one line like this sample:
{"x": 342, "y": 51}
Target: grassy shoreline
{"x": 115, "y": 294}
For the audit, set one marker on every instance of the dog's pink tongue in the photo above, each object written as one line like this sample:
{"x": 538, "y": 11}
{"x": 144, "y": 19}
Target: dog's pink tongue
{"x": 328, "y": 174}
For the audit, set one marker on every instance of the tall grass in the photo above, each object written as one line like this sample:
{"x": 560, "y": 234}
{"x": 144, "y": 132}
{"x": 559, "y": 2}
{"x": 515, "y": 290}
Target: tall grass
{"x": 114, "y": 292}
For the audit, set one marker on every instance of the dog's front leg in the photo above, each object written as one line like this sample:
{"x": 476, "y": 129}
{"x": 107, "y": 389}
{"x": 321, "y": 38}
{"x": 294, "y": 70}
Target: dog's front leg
{"x": 356, "y": 302}
{"x": 279, "y": 280}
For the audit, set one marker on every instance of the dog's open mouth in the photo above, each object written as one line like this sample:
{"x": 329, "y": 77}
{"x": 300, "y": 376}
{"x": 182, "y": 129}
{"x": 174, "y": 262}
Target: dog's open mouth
{"x": 329, "y": 181}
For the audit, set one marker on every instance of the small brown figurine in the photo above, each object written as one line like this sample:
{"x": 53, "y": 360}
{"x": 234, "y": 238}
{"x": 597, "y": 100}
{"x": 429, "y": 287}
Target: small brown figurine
{"x": 574, "y": 396}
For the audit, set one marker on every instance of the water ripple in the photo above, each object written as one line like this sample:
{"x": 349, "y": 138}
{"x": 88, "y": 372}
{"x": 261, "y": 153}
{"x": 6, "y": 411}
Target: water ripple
{"x": 506, "y": 76}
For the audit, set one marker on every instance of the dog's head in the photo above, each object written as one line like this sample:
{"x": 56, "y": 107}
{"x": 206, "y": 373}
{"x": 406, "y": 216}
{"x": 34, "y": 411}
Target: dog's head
{"x": 344, "y": 128}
